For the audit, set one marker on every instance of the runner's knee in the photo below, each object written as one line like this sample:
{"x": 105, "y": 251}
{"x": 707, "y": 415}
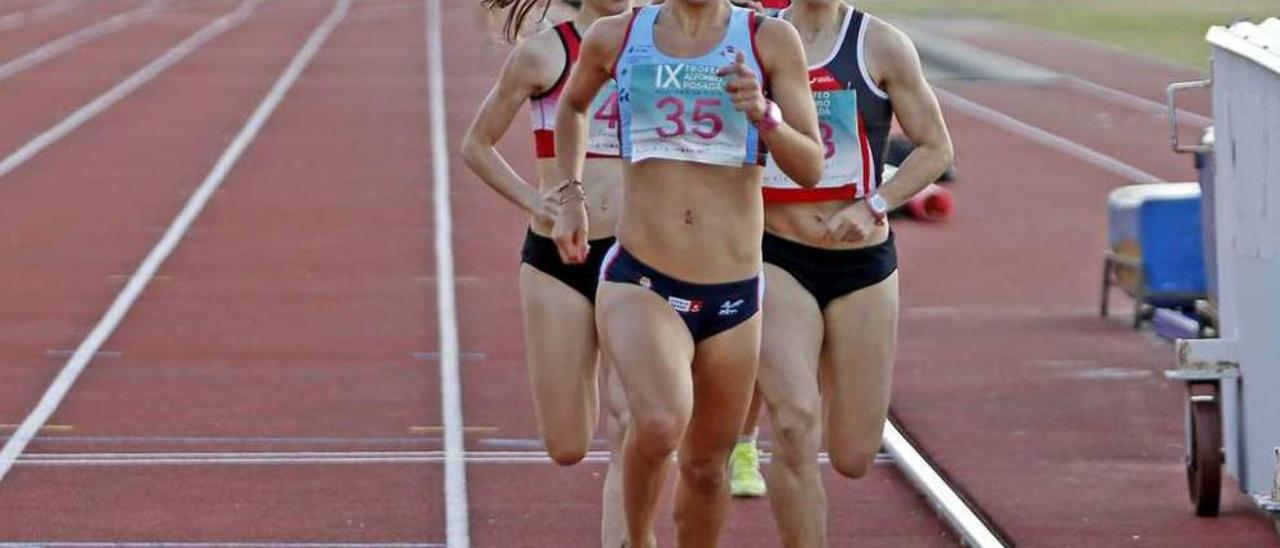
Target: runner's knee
{"x": 656, "y": 437}
{"x": 566, "y": 450}
{"x": 852, "y": 463}
{"x": 706, "y": 476}
{"x": 798, "y": 435}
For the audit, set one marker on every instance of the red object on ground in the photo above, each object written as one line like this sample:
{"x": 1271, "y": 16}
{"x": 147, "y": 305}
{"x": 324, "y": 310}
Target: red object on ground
{"x": 934, "y": 204}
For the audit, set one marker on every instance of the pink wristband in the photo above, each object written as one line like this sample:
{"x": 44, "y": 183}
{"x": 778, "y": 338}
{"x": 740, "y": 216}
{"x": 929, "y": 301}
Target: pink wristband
{"x": 772, "y": 117}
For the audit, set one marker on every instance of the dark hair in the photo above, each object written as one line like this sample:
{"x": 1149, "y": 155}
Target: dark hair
{"x": 516, "y": 15}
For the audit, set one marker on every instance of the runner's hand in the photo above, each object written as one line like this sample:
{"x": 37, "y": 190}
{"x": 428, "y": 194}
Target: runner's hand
{"x": 852, "y": 224}
{"x": 743, "y": 85}
{"x": 570, "y": 232}
{"x": 546, "y": 209}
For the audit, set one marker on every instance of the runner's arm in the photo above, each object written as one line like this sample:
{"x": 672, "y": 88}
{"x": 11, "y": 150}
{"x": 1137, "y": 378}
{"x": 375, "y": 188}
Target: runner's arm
{"x": 795, "y": 144}
{"x": 595, "y": 63}
{"x": 591, "y": 72}
{"x": 516, "y": 83}
{"x": 917, "y": 110}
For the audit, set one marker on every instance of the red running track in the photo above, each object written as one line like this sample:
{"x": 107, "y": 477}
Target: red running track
{"x": 284, "y": 359}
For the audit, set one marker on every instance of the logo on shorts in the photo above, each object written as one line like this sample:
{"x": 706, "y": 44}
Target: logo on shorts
{"x": 730, "y": 308}
{"x": 685, "y": 306}
{"x": 645, "y": 282}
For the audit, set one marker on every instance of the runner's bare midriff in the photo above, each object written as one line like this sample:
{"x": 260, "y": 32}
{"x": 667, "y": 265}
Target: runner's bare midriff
{"x": 602, "y": 179}
{"x": 805, "y": 222}
{"x": 696, "y": 222}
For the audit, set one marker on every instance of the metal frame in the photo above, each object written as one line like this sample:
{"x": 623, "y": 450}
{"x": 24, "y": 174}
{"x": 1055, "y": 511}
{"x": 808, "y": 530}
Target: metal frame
{"x": 1246, "y": 62}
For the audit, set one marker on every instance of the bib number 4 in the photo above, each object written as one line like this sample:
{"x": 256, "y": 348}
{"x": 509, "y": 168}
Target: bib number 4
{"x": 705, "y": 119}
{"x": 608, "y": 112}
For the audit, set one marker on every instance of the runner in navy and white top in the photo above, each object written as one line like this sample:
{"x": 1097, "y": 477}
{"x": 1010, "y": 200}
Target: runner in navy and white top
{"x": 681, "y": 290}
{"x": 557, "y": 298}
{"x": 830, "y": 316}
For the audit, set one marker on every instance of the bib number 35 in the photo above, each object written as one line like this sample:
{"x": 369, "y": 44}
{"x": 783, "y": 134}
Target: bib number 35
{"x": 705, "y": 119}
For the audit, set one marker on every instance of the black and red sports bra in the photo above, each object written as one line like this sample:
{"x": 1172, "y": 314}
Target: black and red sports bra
{"x": 602, "y": 133}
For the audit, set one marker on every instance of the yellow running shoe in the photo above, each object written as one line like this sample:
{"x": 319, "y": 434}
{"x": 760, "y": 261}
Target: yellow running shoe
{"x": 744, "y": 471}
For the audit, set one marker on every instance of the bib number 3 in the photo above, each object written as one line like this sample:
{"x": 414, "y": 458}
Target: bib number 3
{"x": 705, "y": 119}
{"x": 828, "y": 139}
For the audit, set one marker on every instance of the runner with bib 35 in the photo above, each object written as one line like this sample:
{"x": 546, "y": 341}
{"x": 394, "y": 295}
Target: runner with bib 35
{"x": 677, "y": 308}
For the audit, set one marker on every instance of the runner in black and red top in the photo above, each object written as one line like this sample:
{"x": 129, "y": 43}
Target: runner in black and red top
{"x": 557, "y": 298}
{"x": 831, "y": 312}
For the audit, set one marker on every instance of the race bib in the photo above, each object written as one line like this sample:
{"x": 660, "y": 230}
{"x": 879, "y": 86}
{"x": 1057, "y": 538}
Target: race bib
{"x": 681, "y": 112}
{"x": 602, "y": 137}
{"x": 842, "y": 151}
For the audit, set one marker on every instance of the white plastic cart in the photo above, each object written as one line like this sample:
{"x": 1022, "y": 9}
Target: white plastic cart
{"x": 1233, "y": 381}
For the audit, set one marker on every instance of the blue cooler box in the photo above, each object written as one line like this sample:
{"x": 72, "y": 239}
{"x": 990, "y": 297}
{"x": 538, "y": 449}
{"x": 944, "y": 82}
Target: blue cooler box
{"x": 1159, "y": 226}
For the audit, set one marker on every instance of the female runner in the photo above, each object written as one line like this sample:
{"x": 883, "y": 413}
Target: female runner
{"x": 557, "y": 298}
{"x": 677, "y": 309}
{"x": 831, "y": 314}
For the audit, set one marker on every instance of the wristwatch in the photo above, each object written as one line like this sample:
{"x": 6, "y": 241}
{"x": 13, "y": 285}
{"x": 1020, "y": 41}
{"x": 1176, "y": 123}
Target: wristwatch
{"x": 879, "y": 207}
{"x": 772, "y": 117}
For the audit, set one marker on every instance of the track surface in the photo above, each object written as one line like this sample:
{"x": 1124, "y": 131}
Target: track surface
{"x": 283, "y": 362}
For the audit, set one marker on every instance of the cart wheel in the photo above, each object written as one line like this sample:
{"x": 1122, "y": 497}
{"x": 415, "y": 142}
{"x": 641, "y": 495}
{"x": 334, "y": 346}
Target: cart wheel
{"x": 1204, "y": 455}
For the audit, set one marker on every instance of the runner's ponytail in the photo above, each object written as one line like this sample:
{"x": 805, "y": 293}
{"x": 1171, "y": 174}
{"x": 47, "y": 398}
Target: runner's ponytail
{"x": 516, "y": 15}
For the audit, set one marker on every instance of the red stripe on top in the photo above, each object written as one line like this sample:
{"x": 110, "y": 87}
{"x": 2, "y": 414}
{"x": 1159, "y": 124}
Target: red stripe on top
{"x": 544, "y": 143}
{"x": 797, "y": 195}
{"x": 867, "y": 179}
{"x": 572, "y": 41}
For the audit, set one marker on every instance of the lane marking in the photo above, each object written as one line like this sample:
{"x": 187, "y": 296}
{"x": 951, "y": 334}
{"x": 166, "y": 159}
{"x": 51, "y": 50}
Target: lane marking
{"x": 457, "y": 522}
{"x": 1154, "y": 108}
{"x": 68, "y": 42}
{"x": 1052, "y": 140}
{"x": 937, "y": 48}
{"x": 57, "y": 391}
{"x": 46, "y": 428}
{"x": 233, "y": 440}
{"x": 54, "y": 8}
{"x": 440, "y": 429}
{"x": 15, "y": 20}
{"x": 31, "y": 544}
{"x": 126, "y": 87}
{"x": 68, "y": 352}
{"x": 325, "y": 457}
{"x": 433, "y": 356}
{"x": 962, "y": 519}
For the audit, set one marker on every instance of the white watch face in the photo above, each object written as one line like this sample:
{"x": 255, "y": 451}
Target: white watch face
{"x": 878, "y": 204}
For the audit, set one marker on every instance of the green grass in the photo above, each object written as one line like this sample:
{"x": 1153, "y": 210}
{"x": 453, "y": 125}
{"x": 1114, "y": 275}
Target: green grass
{"x": 1171, "y": 29}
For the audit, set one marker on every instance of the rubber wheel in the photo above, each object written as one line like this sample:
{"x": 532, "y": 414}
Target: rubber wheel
{"x": 1204, "y": 456}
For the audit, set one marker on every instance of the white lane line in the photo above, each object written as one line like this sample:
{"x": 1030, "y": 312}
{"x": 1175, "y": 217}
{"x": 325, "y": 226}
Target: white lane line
{"x": 126, "y": 86}
{"x": 1051, "y": 140}
{"x": 1154, "y": 108}
{"x": 37, "y": 544}
{"x": 54, "y": 8}
{"x": 15, "y": 20}
{"x": 70, "y": 41}
{"x": 457, "y": 522}
{"x": 321, "y": 457}
{"x": 963, "y": 519}
{"x": 17, "y": 443}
